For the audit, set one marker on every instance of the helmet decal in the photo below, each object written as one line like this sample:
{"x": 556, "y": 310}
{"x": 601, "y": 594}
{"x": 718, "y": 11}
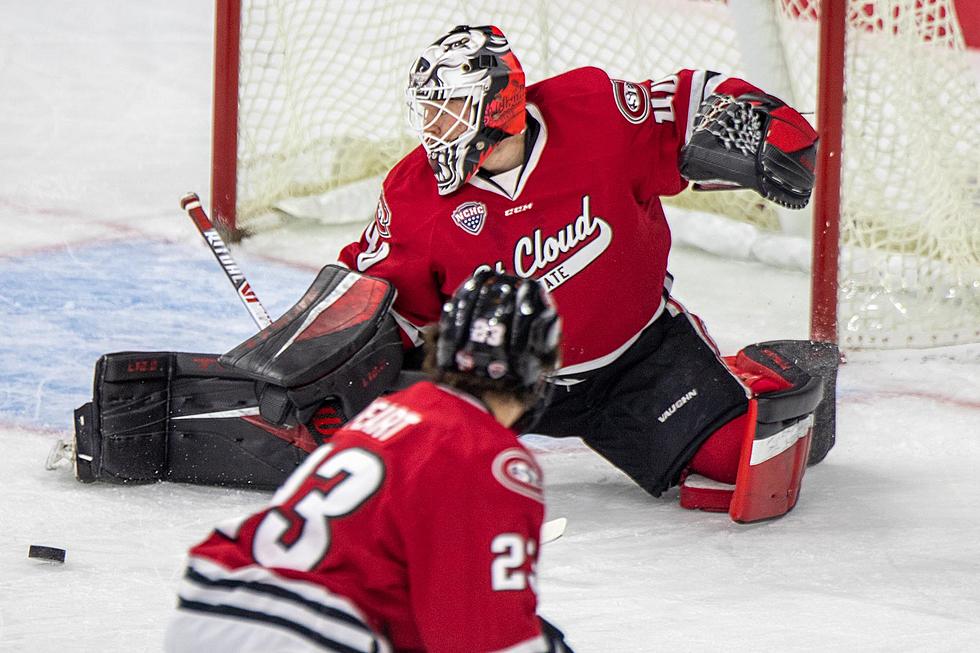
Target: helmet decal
{"x": 465, "y": 94}
{"x": 500, "y": 327}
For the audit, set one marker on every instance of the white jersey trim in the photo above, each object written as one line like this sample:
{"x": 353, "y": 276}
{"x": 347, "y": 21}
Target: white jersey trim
{"x": 602, "y": 361}
{"x": 703, "y": 84}
{"x": 257, "y": 590}
{"x": 676, "y": 308}
{"x": 537, "y": 148}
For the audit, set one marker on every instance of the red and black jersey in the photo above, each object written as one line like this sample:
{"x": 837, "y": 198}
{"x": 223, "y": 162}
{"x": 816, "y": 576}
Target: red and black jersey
{"x": 420, "y": 519}
{"x": 584, "y": 216}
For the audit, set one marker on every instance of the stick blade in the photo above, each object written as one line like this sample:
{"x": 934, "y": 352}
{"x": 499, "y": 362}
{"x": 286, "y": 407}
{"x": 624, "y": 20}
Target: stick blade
{"x": 553, "y": 529}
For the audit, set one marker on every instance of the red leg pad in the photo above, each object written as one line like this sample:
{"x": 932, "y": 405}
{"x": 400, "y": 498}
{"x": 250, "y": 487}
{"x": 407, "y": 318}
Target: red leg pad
{"x": 770, "y": 471}
{"x": 718, "y": 457}
{"x": 710, "y": 478}
{"x": 752, "y": 471}
{"x": 701, "y": 493}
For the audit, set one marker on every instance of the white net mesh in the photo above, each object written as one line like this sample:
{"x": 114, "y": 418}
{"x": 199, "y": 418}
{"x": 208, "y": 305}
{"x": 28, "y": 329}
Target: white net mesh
{"x": 322, "y": 82}
{"x": 321, "y": 109}
{"x": 910, "y": 200}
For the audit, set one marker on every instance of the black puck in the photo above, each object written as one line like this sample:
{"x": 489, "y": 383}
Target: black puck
{"x": 50, "y": 553}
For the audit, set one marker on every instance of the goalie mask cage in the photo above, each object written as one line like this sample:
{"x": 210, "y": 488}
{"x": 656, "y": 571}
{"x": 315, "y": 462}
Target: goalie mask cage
{"x": 309, "y": 101}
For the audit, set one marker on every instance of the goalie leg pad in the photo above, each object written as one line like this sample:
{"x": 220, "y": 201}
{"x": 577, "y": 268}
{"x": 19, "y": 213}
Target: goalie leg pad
{"x": 820, "y": 360}
{"x": 121, "y": 435}
{"x": 250, "y": 416}
{"x": 179, "y": 417}
{"x": 773, "y": 443}
{"x": 709, "y": 481}
{"x": 771, "y": 469}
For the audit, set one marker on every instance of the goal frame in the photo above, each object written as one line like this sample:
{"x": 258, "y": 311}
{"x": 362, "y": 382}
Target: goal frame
{"x": 224, "y": 118}
{"x": 824, "y": 270}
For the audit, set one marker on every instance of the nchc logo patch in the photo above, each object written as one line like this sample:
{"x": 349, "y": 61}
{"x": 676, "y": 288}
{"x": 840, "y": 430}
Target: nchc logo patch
{"x": 470, "y": 217}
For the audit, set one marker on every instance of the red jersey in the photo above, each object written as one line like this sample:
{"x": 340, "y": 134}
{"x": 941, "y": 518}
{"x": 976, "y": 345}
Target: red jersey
{"x": 584, "y": 217}
{"x": 421, "y": 517}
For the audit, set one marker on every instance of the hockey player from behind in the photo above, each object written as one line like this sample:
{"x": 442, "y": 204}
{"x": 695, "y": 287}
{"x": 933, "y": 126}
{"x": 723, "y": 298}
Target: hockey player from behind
{"x": 560, "y": 182}
{"x": 417, "y": 527}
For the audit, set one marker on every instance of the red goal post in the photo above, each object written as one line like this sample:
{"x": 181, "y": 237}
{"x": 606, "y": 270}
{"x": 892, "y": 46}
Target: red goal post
{"x": 824, "y": 284}
{"x": 308, "y": 103}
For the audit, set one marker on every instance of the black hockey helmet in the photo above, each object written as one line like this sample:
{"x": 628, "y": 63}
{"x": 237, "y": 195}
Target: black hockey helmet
{"x": 502, "y": 328}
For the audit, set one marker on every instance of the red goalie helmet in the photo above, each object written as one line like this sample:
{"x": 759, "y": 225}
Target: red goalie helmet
{"x": 465, "y": 94}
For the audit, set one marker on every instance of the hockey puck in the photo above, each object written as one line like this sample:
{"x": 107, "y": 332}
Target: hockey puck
{"x": 47, "y": 553}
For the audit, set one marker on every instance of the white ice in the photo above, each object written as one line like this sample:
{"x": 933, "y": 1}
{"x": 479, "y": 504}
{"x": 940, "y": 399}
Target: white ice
{"x": 104, "y": 124}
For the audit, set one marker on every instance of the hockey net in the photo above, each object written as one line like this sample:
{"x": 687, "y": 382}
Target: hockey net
{"x": 317, "y": 88}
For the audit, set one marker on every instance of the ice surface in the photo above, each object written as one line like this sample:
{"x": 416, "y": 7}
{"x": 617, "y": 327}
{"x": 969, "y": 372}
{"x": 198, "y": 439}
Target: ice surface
{"x": 105, "y": 125}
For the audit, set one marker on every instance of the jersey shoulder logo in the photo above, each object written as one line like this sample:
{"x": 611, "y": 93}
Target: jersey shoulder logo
{"x": 632, "y": 100}
{"x": 470, "y": 217}
{"x": 383, "y": 217}
{"x": 517, "y": 471}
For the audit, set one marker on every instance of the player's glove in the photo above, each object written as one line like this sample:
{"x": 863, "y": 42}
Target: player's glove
{"x": 752, "y": 141}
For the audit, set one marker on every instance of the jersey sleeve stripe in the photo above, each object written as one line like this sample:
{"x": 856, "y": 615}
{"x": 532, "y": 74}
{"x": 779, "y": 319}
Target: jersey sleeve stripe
{"x": 259, "y": 595}
{"x": 325, "y": 643}
{"x": 703, "y": 84}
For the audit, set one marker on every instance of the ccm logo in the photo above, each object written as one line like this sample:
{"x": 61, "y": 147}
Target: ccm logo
{"x": 519, "y": 209}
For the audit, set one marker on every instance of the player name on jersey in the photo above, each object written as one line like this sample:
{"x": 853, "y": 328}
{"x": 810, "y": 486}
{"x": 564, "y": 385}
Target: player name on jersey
{"x": 382, "y": 420}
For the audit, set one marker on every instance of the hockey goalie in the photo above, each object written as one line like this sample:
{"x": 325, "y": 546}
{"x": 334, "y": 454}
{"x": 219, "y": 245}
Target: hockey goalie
{"x": 560, "y": 181}
{"x": 250, "y": 416}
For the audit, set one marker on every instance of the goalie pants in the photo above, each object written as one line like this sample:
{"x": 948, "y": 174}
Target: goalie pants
{"x": 650, "y": 410}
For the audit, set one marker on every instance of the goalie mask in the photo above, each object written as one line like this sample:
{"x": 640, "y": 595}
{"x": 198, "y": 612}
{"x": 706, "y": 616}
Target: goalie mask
{"x": 502, "y": 328}
{"x": 465, "y": 95}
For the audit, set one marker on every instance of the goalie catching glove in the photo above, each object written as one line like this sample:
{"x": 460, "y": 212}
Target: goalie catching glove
{"x": 752, "y": 141}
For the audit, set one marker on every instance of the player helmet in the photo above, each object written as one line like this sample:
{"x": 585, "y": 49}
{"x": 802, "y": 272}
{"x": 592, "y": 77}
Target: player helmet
{"x": 465, "y": 94}
{"x": 502, "y": 328}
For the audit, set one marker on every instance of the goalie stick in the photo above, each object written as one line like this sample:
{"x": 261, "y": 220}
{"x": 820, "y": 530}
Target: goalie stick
{"x": 191, "y": 203}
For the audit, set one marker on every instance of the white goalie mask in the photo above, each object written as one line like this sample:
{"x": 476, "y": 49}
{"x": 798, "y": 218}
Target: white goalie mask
{"x": 465, "y": 95}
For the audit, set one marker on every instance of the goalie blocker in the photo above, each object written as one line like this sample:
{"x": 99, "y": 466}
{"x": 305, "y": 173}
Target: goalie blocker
{"x": 250, "y": 416}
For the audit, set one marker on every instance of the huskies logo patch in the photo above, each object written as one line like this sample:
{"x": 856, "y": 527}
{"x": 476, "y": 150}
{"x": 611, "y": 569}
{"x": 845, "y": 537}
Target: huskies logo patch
{"x": 470, "y": 217}
{"x": 517, "y": 471}
{"x": 383, "y": 217}
{"x": 632, "y": 100}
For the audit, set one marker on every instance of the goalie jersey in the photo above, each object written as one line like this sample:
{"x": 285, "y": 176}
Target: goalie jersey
{"x": 415, "y": 528}
{"x": 590, "y": 227}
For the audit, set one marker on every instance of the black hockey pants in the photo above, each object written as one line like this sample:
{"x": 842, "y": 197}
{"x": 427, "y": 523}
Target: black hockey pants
{"x": 648, "y": 411}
